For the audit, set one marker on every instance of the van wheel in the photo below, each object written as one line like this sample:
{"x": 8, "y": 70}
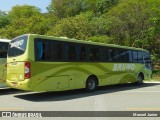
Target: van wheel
{"x": 140, "y": 79}
{"x": 91, "y": 84}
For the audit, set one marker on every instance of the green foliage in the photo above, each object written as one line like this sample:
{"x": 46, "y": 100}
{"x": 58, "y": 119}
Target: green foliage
{"x": 25, "y": 19}
{"x": 106, "y": 5}
{"x": 66, "y": 8}
{"x": 73, "y": 27}
{"x": 127, "y": 21}
{"x": 133, "y": 23}
{"x": 69, "y": 8}
{"x": 102, "y": 39}
{"x": 124, "y": 22}
{"x": 4, "y": 19}
{"x": 24, "y": 11}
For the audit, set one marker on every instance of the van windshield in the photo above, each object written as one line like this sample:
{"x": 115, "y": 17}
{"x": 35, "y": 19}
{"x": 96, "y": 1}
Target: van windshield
{"x": 17, "y": 46}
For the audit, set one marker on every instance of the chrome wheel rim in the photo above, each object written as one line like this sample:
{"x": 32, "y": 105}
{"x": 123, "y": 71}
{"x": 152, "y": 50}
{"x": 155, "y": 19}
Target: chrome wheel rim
{"x": 91, "y": 84}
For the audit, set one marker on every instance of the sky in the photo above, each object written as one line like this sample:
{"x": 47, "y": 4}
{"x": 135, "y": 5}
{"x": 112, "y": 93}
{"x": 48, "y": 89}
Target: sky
{"x": 6, "y": 5}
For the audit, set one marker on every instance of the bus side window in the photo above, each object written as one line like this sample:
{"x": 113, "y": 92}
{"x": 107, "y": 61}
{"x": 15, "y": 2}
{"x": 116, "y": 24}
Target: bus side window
{"x": 116, "y": 55}
{"x": 83, "y": 53}
{"x": 94, "y": 53}
{"x": 102, "y": 56}
{"x": 128, "y": 56}
{"x": 130, "y": 59}
{"x": 140, "y": 56}
{"x": 43, "y": 50}
{"x": 71, "y": 52}
{"x": 135, "y": 56}
{"x": 39, "y": 50}
{"x": 46, "y": 51}
{"x": 110, "y": 53}
{"x": 59, "y": 51}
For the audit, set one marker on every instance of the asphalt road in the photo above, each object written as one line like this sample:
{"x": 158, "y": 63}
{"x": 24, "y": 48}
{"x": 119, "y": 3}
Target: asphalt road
{"x": 109, "y": 98}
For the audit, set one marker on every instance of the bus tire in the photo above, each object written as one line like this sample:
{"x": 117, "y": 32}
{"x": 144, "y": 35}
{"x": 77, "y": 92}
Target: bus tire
{"x": 140, "y": 79}
{"x": 91, "y": 84}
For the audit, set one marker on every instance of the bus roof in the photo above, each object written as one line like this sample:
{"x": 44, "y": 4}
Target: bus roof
{"x": 4, "y": 40}
{"x": 83, "y": 42}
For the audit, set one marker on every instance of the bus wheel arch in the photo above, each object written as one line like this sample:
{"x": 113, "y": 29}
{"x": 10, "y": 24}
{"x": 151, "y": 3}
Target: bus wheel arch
{"x": 140, "y": 78}
{"x": 92, "y": 83}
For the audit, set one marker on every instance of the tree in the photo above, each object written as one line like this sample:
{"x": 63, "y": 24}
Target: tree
{"x": 133, "y": 23}
{"x": 4, "y": 19}
{"x": 66, "y": 8}
{"x": 24, "y": 11}
{"x": 100, "y": 38}
{"x": 69, "y": 8}
{"x": 74, "y": 27}
{"x": 106, "y": 5}
{"x": 128, "y": 21}
{"x": 25, "y": 19}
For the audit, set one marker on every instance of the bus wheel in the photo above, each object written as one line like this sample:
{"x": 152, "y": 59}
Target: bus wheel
{"x": 91, "y": 84}
{"x": 140, "y": 79}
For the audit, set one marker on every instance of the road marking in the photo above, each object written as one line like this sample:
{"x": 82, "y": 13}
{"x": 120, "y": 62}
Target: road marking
{"x": 11, "y": 108}
{"x": 144, "y": 109}
{"x": 143, "y": 91}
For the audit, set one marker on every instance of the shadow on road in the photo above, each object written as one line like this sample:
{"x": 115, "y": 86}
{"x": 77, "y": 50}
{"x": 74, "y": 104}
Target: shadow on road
{"x": 74, "y": 94}
{"x": 7, "y": 91}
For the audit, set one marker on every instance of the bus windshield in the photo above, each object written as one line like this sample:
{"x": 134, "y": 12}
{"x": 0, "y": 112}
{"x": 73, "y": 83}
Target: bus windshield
{"x": 17, "y": 46}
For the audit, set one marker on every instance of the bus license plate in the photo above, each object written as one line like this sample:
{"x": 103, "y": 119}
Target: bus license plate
{"x": 14, "y": 84}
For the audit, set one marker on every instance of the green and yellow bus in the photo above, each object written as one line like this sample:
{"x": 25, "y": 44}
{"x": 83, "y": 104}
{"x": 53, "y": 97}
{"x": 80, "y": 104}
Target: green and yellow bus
{"x": 3, "y": 59}
{"x": 47, "y": 63}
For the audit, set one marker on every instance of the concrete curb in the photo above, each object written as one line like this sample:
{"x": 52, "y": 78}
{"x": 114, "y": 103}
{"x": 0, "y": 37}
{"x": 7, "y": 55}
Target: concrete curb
{"x": 151, "y": 81}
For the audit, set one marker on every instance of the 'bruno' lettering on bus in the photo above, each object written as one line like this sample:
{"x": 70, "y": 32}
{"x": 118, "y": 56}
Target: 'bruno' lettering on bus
{"x": 123, "y": 67}
{"x": 17, "y": 43}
